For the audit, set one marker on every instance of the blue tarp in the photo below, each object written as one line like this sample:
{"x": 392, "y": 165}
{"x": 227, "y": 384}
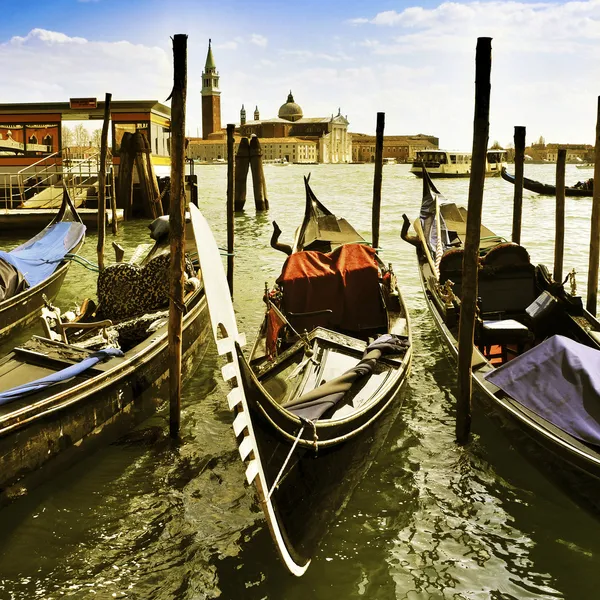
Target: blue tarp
{"x": 558, "y": 380}
{"x": 38, "y": 258}
{"x": 39, "y": 384}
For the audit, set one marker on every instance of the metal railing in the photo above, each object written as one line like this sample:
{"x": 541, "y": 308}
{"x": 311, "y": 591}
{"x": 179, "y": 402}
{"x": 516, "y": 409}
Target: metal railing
{"x": 45, "y": 179}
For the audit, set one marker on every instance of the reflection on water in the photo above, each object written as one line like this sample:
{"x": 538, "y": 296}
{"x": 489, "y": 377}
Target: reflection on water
{"x": 147, "y": 518}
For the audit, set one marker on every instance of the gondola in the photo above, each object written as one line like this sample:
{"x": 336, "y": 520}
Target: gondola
{"x": 331, "y": 357}
{"x": 95, "y": 375}
{"x": 37, "y": 268}
{"x": 536, "y": 354}
{"x": 549, "y": 190}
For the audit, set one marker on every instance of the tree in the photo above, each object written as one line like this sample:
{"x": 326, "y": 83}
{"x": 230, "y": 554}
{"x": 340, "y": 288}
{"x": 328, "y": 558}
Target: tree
{"x": 496, "y": 146}
{"x": 81, "y": 136}
{"x": 96, "y": 138}
{"x": 67, "y": 136}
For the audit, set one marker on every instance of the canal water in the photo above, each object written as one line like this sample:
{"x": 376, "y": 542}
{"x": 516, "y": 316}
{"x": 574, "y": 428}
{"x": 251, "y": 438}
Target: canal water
{"x": 147, "y": 519}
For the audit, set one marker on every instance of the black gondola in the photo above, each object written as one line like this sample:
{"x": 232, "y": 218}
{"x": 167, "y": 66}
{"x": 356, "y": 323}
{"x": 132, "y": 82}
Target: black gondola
{"x": 37, "y": 268}
{"x": 331, "y": 356}
{"x": 537, "y": 350}
{"x": 93, "y": 378}
{"x": 550, "y": 190}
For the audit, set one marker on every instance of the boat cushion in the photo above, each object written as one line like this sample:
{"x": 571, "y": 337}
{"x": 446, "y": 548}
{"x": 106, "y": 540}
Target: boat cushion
{"x": 559, "y": 381}
{"x": 345, "y": 282}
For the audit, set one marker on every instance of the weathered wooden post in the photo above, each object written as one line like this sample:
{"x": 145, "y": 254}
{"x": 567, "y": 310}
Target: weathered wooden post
{"x": 592, "y": 286}
{"x": 147, "y": 178}
{"x": 113, "y": 202}
{"x": 102, "y": 183}
{"x": 230, "y": 212}
{"x": 258, "y": 175}
{"x": 559, "y": 240}
{"x": 242, "y": 164}
{"x": 375, "y": 217}
{"x": 468, "y": 305}
{"x": 177, "y": 227}
{"x": 127, "y": 159}
{"x": 519, "y": 138}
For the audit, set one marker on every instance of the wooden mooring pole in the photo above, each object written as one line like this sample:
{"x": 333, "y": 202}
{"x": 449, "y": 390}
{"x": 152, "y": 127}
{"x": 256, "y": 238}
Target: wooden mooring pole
{"x": 519, "y": 139}
{"x": 177, "y": 227}
{"x": 127, "y": 160}
{"x": 102, "y": 183}
{"x": 230, "y": 212}
{"x": 559, "y": 239}
{"x": 592, "y": 286}
{"x": 375, "y": 217}
{"x": 258, "y": 175}
{"x": 468, "y": 306}
{"x": 242, "y": 164}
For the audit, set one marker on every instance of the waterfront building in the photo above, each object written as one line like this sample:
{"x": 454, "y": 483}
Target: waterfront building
{"x": 398, "y": 148}
{"x": 289, "y": 149}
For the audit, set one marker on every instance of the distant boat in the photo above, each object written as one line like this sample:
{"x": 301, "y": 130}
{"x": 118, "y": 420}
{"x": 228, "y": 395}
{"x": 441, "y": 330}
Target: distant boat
{"x": 445, "y": 163}
{"x": 588, "y": 166}
{"x": 277, "y": 162}
{"x": 544, "y": 189}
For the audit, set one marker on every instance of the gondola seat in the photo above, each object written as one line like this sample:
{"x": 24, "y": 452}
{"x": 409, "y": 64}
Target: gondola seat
{"x": 506, "y": 280}
{"x": 451, "y": 268}
{"x": 506, "y": 336}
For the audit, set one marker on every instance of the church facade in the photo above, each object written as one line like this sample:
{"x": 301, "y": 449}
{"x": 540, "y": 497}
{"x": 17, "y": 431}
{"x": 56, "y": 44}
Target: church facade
{"x": 330, "y": 134}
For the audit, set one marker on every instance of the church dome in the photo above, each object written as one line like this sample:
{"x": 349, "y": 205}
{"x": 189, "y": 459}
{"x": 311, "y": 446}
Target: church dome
{"x": 290, "y": 111}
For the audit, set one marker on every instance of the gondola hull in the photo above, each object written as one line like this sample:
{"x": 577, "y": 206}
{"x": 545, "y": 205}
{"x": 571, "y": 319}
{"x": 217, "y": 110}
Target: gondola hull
{"x": 317, "y": 484}
{"x": 39, "y": 435}
{"x": 520, "y": 308}
{"x": 548, "y": 439}
{"x": 544, "y": 189}
{"x": 21, "y": 309}
{"x": 304, "y": 468}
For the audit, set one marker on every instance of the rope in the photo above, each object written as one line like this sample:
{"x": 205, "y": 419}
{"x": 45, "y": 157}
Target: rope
{"x": 285, "y": 462}
{"x": 84, "y": 262}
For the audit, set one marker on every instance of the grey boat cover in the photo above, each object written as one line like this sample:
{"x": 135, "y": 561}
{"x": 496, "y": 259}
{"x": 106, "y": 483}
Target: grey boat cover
{"x": 12, "y": 281}
{"x": 314, "y": 404}
{"x": 559, "y": 380}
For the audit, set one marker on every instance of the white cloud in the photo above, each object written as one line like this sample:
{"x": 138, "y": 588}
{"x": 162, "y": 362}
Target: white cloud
{"x": 259, "y": 40}
{"x": 75, "y": 67}
{"x": 45, "y": 36}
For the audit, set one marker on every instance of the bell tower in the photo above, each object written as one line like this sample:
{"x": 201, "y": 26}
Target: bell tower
{"x": 211, "y": 96}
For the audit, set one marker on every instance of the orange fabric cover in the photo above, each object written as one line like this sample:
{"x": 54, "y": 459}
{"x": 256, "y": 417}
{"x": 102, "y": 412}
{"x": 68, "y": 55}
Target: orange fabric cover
{"x": 345, "y": 281}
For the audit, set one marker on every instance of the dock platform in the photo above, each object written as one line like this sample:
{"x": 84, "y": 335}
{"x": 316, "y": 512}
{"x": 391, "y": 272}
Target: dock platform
{"x": 28, "y": 219}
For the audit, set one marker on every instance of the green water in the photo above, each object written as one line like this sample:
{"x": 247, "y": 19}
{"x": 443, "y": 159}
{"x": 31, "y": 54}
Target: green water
{"x": 147, "y": 519}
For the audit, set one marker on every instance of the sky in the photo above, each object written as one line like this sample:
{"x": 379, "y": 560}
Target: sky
{"x": 415, "y": 61}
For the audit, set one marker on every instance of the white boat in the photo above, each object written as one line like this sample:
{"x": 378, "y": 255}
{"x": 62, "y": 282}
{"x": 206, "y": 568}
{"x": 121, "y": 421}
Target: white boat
{"x": 448, "y": 163}
{"x": 276, "y": 162}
